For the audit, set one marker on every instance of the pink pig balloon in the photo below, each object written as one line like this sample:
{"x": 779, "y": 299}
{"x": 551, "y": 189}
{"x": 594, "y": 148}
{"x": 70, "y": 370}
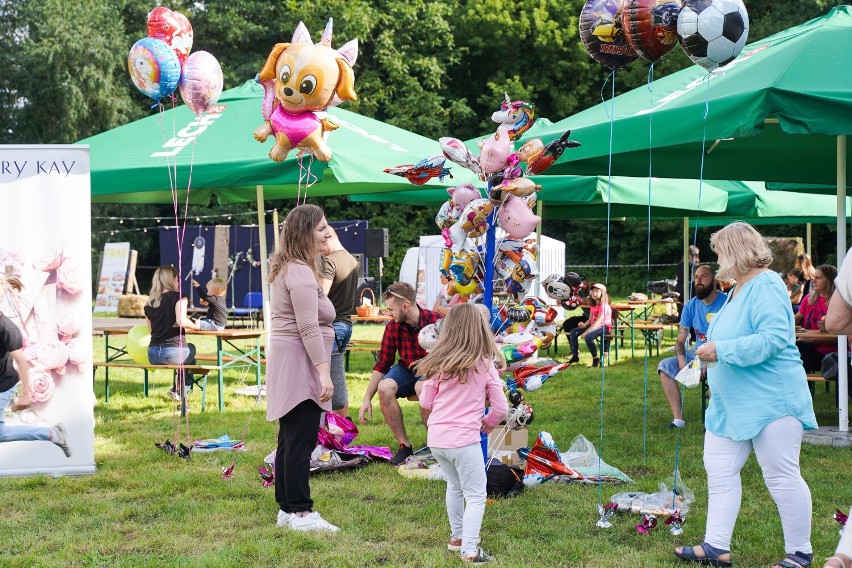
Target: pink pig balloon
{"x": 516, "y": 218}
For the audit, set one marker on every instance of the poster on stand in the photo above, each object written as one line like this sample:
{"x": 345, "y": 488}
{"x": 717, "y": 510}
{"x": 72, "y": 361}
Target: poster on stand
{"x": 112, "y": 278}
{"x": 46, "y": 289}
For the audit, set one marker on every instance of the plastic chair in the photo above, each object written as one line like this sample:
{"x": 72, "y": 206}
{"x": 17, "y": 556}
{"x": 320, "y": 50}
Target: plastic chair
{"x": 252, "y": 308}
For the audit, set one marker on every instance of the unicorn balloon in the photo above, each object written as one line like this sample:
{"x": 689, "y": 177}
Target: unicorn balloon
{"x": 513, "y": 118}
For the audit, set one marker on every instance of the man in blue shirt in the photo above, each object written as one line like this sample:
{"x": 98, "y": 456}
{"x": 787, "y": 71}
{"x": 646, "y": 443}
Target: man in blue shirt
{"x": 696, "y": 315}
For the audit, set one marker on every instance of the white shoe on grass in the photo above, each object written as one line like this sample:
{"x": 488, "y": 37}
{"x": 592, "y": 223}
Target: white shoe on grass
{"x": 283, "y": 519}
{"x": 61, "y": 440}
{"x": 311, "y": 522}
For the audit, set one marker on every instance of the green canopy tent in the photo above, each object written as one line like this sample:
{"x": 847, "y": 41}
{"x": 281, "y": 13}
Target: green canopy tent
{"x": 216, "y": 156}
{"x": 780, "y": 112}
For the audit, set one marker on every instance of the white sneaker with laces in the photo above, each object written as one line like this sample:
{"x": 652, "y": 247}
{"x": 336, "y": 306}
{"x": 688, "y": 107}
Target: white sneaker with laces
{"x": 284, "y": 519}
{"x": 311, "y": 522}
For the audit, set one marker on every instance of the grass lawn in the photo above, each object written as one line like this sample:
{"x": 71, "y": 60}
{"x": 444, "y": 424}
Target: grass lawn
{"x": 146, "y": 508}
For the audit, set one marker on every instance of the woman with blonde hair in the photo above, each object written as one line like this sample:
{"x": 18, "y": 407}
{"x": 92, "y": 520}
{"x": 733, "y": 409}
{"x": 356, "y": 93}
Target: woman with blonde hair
{"x": 804, "y": 263}
{"x": 460, "y": 374}
{"x": 165, "y": 315}
{"x": 760, "y": 401}
{"x": 298, "y": 379}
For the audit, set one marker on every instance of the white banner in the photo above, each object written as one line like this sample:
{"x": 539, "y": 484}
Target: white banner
{"x": 45, "y": 241}
{"x": 112, "y": 278}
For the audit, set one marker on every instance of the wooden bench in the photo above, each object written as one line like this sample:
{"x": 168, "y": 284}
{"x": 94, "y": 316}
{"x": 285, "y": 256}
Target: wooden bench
{"x": 370, "y": 345}
{"x": 200, "y": 370}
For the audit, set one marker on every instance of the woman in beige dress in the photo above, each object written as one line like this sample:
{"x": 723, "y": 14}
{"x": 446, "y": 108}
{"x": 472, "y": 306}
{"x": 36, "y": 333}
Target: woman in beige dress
{"x": 298, "y": 382}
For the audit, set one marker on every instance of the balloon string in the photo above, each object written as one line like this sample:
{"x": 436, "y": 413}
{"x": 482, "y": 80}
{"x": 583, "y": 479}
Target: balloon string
{"x": 648, "y": 261}
{"x": 611, "y": 116}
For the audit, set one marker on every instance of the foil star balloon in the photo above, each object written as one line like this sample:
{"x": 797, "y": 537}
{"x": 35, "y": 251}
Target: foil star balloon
{"x": 228, "y": 473}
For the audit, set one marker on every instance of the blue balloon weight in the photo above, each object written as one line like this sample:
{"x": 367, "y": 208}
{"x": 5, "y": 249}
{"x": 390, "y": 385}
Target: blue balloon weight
{"x": 154, "y": 67}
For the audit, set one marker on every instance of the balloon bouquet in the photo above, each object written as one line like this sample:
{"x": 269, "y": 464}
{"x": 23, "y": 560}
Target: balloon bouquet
{"x": 160, "y": 63}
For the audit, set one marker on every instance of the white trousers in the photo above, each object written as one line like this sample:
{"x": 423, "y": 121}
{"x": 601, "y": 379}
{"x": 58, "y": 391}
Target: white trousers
{"x": 777, "y": 450}
{"x": 465, "y": 471}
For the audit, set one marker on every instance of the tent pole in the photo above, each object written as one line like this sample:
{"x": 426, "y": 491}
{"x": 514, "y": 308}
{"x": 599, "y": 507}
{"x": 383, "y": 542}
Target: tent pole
{"x": 842, "y": 385}
{"x": 539, "y": 208}
{"x": 808, "y": 228}
{"x": 275, "y": 232}
{"x": 490, "y": 245}
{"x": 264, "y": 267}
{"x": 685, "y": 276}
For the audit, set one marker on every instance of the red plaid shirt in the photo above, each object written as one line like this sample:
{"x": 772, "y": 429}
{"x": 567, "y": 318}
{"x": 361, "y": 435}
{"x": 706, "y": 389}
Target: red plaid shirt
{"x": 402, "y": 338}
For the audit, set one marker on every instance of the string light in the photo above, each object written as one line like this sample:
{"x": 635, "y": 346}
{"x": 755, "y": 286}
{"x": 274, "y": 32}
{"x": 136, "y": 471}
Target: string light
{"x": 122, "y": 221}
{"x": 113, "y": 232}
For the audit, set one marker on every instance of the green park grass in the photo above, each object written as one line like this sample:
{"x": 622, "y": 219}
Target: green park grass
{"x": 145, "y": 508}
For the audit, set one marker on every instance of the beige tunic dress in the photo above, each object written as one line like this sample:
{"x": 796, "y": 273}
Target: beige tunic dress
{"x": 301, "y": 337}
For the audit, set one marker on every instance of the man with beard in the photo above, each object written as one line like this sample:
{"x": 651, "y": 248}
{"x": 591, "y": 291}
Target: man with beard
{"x": 696, "y": 315}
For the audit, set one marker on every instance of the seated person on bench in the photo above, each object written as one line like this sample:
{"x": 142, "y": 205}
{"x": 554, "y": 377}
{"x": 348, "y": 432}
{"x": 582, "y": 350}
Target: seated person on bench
{"x": 165, "y": 314}
{"x": 398, "y": 381}
{"x": 217, "y": 309}
{"x": 696, "y": 315}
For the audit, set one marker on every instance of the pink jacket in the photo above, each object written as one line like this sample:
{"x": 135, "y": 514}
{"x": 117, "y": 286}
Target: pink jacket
{"x": 458, "y": 408}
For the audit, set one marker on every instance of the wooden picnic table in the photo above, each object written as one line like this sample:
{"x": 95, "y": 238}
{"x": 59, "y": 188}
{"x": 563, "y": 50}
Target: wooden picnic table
{"x": 816, "y": 337}
{"x": 240, "y": 357}
{"x": 372, "y": 319}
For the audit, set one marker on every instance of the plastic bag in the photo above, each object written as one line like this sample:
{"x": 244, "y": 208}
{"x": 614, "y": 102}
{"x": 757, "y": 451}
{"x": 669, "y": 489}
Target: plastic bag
{"x": 583, "y": 458}
{"x": 690, "y": 375}
{"x": 670, "y": 498}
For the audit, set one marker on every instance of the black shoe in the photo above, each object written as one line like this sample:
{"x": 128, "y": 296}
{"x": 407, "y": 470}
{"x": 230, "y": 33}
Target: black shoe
{"x": 401, "y": 454}
{"x": 596, "y": 362}
{"x": 573, "y": 359}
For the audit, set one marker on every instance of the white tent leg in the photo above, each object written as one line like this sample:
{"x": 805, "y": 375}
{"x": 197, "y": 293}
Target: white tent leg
{"x": 539, "y": 204}
{"x": 264, "y": 265}
{"x": 808, "y": 228}
{"x": 842, "y": 385}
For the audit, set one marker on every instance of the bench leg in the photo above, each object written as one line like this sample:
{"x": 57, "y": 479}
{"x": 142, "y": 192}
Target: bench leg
{"x": 203, "y": 393}
{"x": 106, "y": 384}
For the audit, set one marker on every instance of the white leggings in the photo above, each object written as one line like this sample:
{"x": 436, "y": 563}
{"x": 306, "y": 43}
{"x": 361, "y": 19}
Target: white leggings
{"x": 464, "y": 469}
{"x": 777, "y": 450}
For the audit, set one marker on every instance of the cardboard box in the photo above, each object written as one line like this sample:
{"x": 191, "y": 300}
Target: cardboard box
{"x": 507, "y": 448}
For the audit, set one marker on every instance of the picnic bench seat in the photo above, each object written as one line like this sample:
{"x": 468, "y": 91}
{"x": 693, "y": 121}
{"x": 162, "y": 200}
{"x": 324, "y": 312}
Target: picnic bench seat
{"x": 200, "y": 370}
{"x": 370, "y": 345}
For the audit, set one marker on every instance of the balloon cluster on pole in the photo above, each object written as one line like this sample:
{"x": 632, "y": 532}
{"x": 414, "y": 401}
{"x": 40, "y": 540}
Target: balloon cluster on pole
{"x": 616, "y": 32}
{"x": 160, "y": 63}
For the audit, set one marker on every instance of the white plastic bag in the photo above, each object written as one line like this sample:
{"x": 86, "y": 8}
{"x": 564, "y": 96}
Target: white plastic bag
{"x": 690, "y": 375}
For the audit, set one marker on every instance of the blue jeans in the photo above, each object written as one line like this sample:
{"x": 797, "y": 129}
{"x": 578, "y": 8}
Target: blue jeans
{"x": 590, "y": 340}
{"x": 170, "y": 355}
{"x": 209, "y": 325}
{"x": 23, "y": 432}
{"x": 342, "y": 333}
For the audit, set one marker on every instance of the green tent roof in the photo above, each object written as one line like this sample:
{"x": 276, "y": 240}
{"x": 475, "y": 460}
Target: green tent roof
{"x": 140, "y": 162}
{"x": 773, "y": 115}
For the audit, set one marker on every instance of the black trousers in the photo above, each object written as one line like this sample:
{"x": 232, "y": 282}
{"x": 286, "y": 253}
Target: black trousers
{"x": 297, "y": 438}
{"x": 811, "y": 358}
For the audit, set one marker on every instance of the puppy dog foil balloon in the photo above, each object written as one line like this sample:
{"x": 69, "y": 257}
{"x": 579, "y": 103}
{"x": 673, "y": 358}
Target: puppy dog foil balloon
{"x": 301, "y": 78}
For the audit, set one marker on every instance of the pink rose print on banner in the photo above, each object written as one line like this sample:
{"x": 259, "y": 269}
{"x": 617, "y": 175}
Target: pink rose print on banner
{"x": 41, "y": 385}
{"x": 50, "y": 259}
{"x": 69, "y": 277}
{"x": 53, "y": 355}
{"x": 77, "y": 351}
{"x": 67, "y": 326}
{"x": 11, "y": 264}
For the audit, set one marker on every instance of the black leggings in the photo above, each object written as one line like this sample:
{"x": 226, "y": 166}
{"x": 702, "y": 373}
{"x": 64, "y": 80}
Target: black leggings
{"x": 297, "y": 438}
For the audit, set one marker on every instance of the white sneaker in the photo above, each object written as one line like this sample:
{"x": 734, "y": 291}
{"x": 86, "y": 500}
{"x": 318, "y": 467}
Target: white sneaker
{"x": 311, "y": 522}
{"x": 283, "y": 519}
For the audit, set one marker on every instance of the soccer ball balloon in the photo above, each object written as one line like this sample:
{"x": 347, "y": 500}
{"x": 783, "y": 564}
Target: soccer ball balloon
{"x": 712, "y": 32}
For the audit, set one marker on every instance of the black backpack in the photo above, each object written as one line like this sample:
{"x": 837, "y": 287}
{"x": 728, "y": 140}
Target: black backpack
{"x": 503, "y": 480}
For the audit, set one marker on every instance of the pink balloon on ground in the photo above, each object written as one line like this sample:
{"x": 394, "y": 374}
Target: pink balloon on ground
{"x": 200, "y": 81}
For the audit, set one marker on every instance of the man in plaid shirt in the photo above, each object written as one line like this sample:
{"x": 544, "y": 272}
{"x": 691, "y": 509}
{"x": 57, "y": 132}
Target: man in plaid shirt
{"x": 394, "y": 381}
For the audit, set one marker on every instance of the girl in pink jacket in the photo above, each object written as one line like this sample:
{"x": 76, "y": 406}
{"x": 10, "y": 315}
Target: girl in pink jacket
{"x": 460, "y": 375}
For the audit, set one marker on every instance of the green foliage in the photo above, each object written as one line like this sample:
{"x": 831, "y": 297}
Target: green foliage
{"x": 434, "y": 67}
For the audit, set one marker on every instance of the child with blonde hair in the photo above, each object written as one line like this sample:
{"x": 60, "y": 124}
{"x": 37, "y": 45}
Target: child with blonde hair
{"x": 217, "y": 309}
{"x": 460, "y": 375}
